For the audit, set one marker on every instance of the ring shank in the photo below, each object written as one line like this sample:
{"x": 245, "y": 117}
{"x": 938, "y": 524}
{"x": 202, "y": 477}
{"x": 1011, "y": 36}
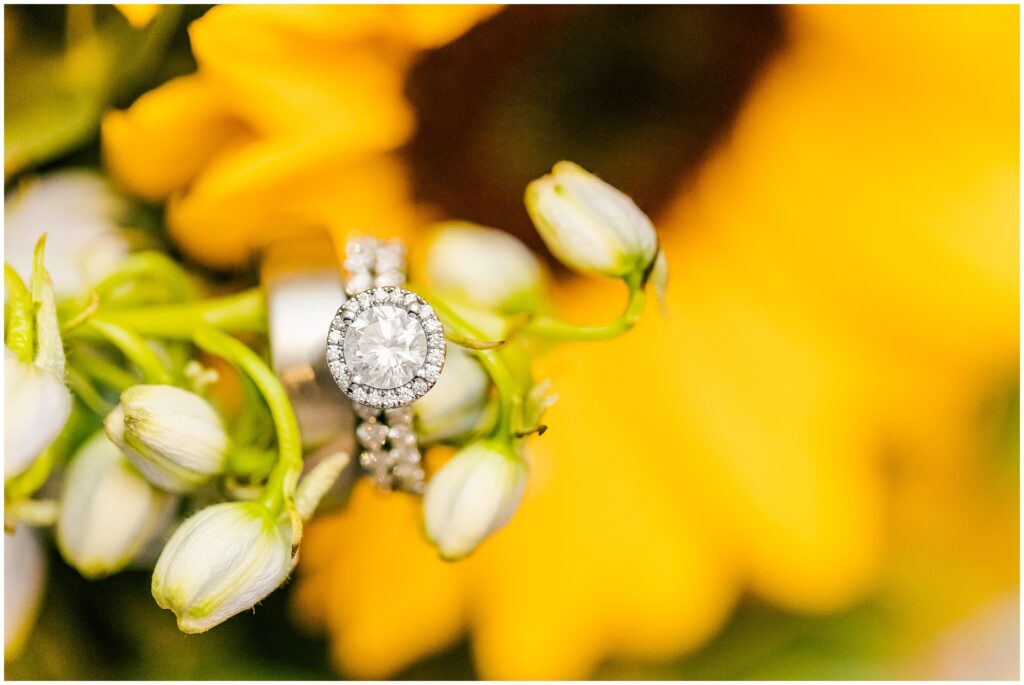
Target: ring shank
{"x": 304, "y": 287}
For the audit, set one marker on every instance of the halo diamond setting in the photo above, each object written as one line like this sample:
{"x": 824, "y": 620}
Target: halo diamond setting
{"x": 385, "y": 347}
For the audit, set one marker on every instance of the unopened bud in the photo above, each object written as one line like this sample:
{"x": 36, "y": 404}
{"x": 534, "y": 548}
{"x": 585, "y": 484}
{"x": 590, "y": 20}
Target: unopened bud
{"x": 36, "y": 405}
{"x": 471, "y": 497}
{"x": 220, "y": 562}
{"x": 109, "y": 512}
{"x": 589, "y": 225}
{"x": 173, "y": 436}
{"x": 485, "y": 266}
{"x": 455, "y": 404}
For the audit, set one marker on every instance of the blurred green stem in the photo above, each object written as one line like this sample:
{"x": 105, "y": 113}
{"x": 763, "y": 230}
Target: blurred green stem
{"x": 556, "y": 330}
{"x": 133, "y": 347}
{"x": 241, "y": 312}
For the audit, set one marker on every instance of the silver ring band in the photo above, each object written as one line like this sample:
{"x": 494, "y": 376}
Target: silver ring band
{"x": 303, "y": 286}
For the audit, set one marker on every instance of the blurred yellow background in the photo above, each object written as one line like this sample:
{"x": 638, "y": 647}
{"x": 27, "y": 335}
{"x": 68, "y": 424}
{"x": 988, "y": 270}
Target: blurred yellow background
{"x": 809, "y": 469}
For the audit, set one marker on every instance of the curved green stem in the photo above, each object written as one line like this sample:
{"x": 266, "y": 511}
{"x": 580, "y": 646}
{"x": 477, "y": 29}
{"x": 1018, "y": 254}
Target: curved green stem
{"x": 284, "y": 476}
{"x": 557, "y": 330}
{"x": 87, "y": 392}
{"x": 133, "y": 347}
{"x": 508, "y": 389}
{"x": 244, "y": 311}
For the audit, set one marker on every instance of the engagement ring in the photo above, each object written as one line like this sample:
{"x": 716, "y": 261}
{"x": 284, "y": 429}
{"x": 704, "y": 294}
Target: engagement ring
{"x": 385, "y": 350}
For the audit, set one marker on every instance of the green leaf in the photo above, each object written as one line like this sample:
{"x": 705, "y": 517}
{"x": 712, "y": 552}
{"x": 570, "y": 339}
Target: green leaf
{"x": 20, "y": 331}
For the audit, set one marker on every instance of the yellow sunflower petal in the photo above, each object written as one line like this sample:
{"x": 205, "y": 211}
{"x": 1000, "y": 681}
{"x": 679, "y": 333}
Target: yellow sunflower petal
{"x": 376, "y": 585}
{"x": 291, "y": 82}
{"x": 159, "y": 144}
{"x": 267, "y": 189}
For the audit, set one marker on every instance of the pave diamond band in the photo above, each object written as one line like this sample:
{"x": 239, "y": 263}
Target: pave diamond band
{"x": 385, "y": 350}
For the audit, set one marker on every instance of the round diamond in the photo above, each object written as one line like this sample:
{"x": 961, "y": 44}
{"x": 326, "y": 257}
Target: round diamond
{"x": 384, "y": 346}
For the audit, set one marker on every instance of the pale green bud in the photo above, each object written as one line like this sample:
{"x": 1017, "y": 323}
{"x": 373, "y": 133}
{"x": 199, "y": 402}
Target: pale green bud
{"x": 173, "y": 436}
{"x": 454, "y": 406}
{"x": 222, "y": 561}
{"x": 36, "y": 406}
{"x": 108, "y": 512}
{"x": 589, "y": 225}
{"x": 471, "y": 497}
{"x": 485, "y": 266}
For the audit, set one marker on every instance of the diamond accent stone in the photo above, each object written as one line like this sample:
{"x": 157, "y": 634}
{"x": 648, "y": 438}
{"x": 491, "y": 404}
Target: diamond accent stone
{"x": 372, "y": 435}
{"x": 384, "y": 346}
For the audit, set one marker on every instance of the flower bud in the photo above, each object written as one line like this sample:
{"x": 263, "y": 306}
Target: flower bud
{"x": 36, "y": 406}
{"x": 108, "y": 512}
{"x": 455, "y": 404}
{"x": 472, "y": 496}
{"x": 81, "y": 213}
{"x": 485, "y": 266}
{"x": 589, "y": 225}
{"x": 24, "y": 577}
{"x": 222, "y": 561}
{"x": 173, "y": 436}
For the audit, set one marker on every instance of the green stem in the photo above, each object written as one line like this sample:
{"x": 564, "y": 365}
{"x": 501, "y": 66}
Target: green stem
{"x": 98, "y": 367}
{"x": 31, "y": 480}
{"x": 554, "y": 329}
{"x": 87, "y": 393}
{"x": 508, "y": 389}
{"x": 244, "y": 311}
{"x": 133, "y": 347}
{"x": 283, "y": 477}
{"x": 152, "y": 266}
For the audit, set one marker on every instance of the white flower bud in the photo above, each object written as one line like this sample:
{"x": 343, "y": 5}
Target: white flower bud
{"x": 82, "y": 216}
{"x": 109, "y": 512}
{"x": 173, "y": 436}
{"x": 589, "y": 225}
{"x": 472, "y": 496}
{"x": 24, "y": 578}
{"x": 36, "y": 406}
{"x": 222, "y": 561}
{"x": 455, "y": 404}
{"x": 484, "y": 265}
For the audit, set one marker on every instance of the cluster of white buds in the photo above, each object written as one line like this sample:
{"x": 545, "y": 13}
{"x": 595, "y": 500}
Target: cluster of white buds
{"x": 122, "y": 487}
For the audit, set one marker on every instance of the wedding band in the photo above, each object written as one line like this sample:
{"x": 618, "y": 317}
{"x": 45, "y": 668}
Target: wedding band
{"x": 303, "y": 286}
{"x": 385, "y": 350}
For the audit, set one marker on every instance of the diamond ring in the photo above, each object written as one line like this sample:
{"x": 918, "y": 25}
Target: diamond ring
{"x": 385, "y": 350}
